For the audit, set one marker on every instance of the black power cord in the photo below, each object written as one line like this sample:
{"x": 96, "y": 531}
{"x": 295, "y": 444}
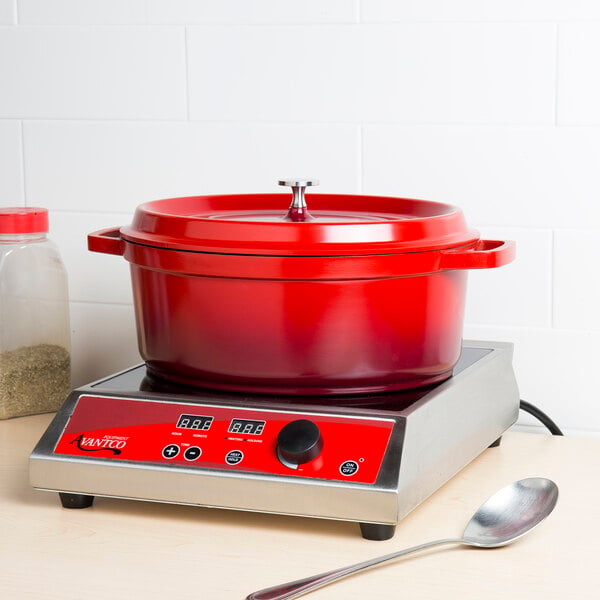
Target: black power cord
{"x": 540, "y": 416}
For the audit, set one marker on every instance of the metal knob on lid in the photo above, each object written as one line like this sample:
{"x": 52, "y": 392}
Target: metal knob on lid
{"x": 298, "y": 210}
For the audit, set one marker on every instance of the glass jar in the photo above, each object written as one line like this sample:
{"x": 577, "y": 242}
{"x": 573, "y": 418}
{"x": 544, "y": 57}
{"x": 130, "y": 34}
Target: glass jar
{"x": 35, "y": 365}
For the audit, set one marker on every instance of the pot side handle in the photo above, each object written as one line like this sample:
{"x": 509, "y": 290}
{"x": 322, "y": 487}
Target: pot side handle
{"x": 486, "y": 254}
{"x": 107, "y": 241}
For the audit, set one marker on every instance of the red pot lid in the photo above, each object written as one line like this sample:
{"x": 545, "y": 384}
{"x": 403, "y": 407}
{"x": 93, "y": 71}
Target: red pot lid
{"x": 331, "y": 224}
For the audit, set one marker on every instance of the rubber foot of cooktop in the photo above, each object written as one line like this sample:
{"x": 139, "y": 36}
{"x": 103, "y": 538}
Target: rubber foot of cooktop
{"x": 377, "y": 531}
{"x": 496, "y": 443}
{"x": 75, "y": 500}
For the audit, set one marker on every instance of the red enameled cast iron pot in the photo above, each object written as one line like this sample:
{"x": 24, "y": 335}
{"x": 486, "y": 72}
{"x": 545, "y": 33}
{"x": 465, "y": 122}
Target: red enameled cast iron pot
{"x": 361, "y": 294}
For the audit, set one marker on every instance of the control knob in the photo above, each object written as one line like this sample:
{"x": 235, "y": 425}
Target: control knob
{"x": 299, "y": 442}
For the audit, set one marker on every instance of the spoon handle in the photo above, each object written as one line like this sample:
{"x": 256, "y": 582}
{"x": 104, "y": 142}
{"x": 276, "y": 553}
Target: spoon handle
{"x": 294, "y": 589}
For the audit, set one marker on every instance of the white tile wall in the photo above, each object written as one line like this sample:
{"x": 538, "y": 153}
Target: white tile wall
{"x": 97, "y": 73}
{"x": 492, "y": 106}
{"x": 85, "y": 166}
{"x": 478, "y": 10}
{"x": 8, "y": 12}
{"x": 510, "y": 176}
{"x": 518, "y": 294}
{"x": 93, "y": 277}
{"x": 103, "y": 340}
{"x": 185, "y": 12}
{"x": 578, "y": 74}
{"x": 576, "y": 279}
{"x": 555, "y": 370}
{"x": 407, "y": 72}
{"x": 11, "y": 164}
{"x": 256, "y": 11}
{"x": 82, "y": 12}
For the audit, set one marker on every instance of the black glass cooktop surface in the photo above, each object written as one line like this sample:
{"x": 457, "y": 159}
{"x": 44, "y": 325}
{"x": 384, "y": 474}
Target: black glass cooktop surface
{"x": 138, "y": 379}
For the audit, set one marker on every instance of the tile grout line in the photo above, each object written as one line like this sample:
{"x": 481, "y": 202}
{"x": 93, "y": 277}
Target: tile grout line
{"x": 186, "y": 64}
{"x": 556, "y": 74}
{"x": 23, "y": 178}
{"x": 552, "y": 283}
{"x": 360, "y": 175}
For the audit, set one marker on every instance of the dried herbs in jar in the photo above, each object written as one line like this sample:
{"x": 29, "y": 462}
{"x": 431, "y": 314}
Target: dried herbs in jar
{"x": 33, "y": 379}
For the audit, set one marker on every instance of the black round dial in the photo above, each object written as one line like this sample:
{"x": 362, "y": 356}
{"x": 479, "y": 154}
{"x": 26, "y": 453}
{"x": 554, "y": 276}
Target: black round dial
{"x": 299, "y": 442}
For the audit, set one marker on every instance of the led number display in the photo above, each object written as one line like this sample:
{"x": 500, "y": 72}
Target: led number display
{"x": 246, "y": 427}
{"x": 194, "y": 422}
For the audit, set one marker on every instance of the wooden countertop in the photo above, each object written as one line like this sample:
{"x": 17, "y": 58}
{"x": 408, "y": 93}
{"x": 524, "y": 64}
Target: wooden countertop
{"x": 126, "y": 549}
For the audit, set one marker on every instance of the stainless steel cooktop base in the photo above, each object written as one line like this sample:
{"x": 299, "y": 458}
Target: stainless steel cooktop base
{"x": 432, "y": 439}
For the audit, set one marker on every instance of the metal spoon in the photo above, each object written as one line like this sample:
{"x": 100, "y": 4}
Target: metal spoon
{"x": 509, "y": 514}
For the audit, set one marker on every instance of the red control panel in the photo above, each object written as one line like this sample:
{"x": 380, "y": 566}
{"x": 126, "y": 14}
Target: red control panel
{"x": 204, "y": 436}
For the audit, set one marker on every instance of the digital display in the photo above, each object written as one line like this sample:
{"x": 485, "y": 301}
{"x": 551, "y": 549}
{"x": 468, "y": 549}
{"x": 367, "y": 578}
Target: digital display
{"x": 194, "y": 422}
{"x": 246, "y": 426}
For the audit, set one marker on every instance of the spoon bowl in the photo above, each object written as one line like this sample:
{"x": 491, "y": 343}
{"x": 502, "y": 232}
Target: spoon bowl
{"x": 511, "y": 512}
{"x": 508, "y": 515}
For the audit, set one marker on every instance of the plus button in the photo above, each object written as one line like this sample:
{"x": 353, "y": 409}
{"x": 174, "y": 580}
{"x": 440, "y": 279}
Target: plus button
{"x": 170, "y": 451}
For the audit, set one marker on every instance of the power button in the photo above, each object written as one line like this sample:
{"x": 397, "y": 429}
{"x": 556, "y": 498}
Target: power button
{"x": 348, "y": 468}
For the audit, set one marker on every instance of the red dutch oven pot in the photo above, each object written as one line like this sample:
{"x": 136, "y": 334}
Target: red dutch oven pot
{"x": 356, "y": 294}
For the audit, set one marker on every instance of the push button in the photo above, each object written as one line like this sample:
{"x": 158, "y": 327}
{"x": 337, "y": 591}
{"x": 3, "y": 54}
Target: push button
{"x": 192, "y": 453}
{"x": 348, "y": 468}
{"x": 170, "y": 451}
{"x": 234, "y": 457}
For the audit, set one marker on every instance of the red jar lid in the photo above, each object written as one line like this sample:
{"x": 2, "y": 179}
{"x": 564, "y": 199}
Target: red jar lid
{"x": 23, "y": 220}
{"x": 331, "y": 225}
